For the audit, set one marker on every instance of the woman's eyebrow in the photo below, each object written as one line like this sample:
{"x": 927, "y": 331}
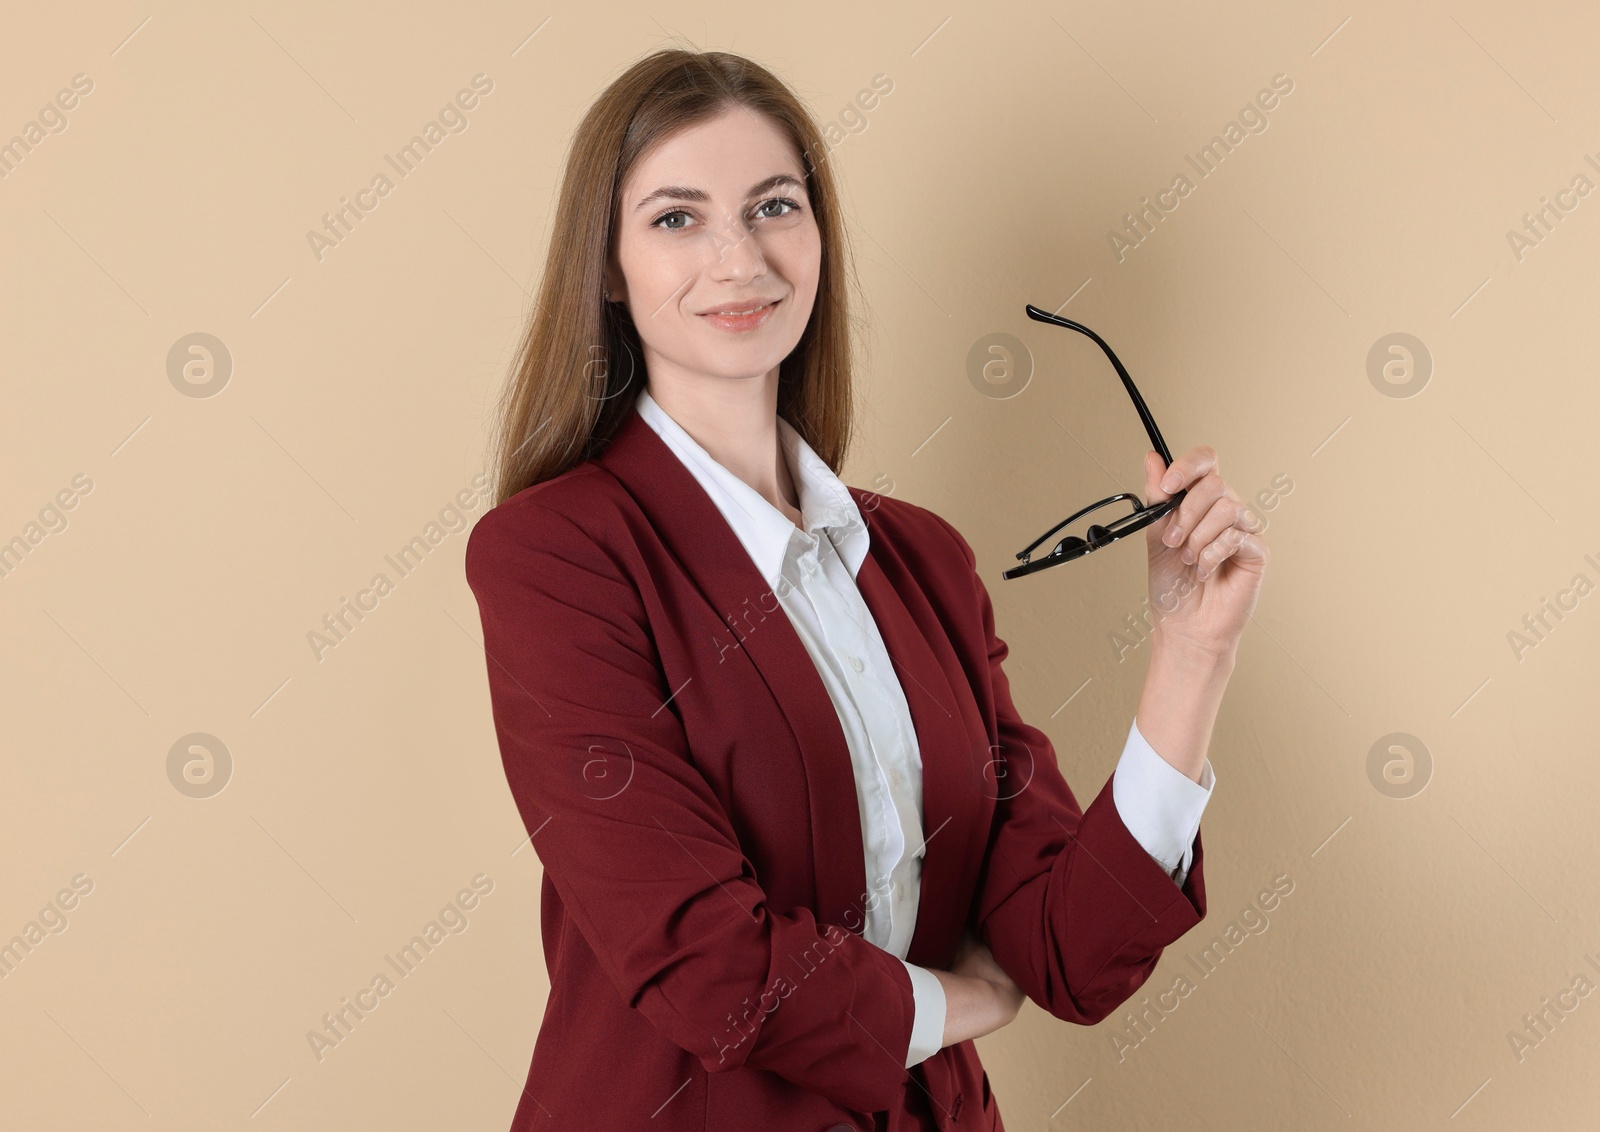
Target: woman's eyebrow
{"x": 678, "y": 192}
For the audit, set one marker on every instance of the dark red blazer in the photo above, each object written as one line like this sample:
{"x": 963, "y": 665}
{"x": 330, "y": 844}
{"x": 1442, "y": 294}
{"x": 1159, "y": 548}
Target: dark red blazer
{"x": 687, "y": 786}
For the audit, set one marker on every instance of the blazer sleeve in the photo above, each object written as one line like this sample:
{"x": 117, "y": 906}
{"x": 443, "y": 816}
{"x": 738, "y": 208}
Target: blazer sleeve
{"x": 1071, "y": 905}
{"x": 640, "y": 850}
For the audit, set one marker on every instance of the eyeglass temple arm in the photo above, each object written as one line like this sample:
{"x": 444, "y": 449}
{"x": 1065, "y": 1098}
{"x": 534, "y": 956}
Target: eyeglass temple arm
{"x": 1138, "y": 401}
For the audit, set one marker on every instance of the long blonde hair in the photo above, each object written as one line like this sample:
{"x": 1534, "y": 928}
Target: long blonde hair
{"x": 580, "y": 354}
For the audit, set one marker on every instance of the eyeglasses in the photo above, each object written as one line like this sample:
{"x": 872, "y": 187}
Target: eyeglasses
{"x": 1098, "y": 534}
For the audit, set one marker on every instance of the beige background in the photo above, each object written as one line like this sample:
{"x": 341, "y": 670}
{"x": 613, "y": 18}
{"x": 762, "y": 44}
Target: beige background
{"x": 365, "y": 788}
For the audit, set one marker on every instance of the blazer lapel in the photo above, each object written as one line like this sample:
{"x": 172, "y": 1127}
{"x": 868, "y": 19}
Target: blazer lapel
{"x": 957, "y": 801}
{"x": 956, "y": 804}
{"x": 691, "y": 527}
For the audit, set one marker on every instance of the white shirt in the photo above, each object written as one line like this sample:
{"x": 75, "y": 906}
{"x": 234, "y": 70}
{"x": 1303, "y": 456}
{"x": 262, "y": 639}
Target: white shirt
{"x": 812, "y": 573}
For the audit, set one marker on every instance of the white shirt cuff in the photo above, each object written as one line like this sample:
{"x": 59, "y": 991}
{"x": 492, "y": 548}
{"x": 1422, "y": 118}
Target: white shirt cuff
{"x": 1160, "y": 805}
{"x": 927, "y": 1027}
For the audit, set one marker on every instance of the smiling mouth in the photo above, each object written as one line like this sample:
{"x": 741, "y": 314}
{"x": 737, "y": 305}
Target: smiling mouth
{"x": 740, "y": 311}
{"x": 742, "y": 318}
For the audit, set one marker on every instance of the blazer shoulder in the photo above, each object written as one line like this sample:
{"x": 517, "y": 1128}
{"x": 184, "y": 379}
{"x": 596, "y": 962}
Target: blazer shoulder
{"x": 560, "y": 515}
{"x": 907, "y": 522}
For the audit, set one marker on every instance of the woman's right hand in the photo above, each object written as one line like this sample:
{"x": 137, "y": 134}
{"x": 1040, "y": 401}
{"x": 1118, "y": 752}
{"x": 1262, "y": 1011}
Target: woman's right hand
{"x": 980, "y": 997}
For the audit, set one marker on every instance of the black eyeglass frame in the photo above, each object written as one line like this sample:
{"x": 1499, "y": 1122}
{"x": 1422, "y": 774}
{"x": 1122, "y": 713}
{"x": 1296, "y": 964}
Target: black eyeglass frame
{"x": 1098, "y": 534}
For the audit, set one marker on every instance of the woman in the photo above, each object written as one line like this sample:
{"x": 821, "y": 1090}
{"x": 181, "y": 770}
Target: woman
{"x": 799, "y": 849}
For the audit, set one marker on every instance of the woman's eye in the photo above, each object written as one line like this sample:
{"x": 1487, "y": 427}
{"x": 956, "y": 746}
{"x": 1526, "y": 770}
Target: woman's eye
{"x": 788, "y": 207}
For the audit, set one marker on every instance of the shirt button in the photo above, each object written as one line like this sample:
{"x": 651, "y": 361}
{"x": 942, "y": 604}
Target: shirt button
{"x": 855, "y": 662}
{"x": 894, "y": 777}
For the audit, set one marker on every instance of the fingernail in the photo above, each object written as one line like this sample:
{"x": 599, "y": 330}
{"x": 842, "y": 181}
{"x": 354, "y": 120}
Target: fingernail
{"x": 1173, "y": 536}
{"x": 1170, "y": 481}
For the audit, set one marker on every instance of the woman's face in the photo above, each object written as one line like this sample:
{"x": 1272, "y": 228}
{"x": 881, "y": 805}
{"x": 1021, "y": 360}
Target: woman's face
{"x": 702, "y": 228}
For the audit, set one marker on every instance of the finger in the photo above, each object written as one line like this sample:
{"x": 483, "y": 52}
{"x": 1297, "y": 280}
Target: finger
{"x": 1186, "y": 470}
{"x": 1221, "y": 514}
{"x": 1235, "y": 543}
{"x": 1154, "y": 468}
{"x": 1197, "y": 503}
{"x": 1217, "y": 551}
{"x": 1252, "y": 549}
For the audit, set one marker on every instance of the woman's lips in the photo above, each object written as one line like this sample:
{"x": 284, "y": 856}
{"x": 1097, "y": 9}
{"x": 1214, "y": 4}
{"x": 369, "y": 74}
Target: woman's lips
{"x": 742, "y": 322}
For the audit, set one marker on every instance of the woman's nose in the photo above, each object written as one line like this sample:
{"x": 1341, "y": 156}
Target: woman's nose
{"x": 735, "y": 252}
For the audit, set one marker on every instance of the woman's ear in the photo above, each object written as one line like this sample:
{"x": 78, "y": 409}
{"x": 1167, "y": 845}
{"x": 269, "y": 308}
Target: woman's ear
{"x": 616, "y": 289}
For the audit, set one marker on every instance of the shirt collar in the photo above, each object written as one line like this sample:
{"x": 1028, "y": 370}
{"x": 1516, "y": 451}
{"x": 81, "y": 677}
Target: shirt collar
{"x": 826, "y": 505}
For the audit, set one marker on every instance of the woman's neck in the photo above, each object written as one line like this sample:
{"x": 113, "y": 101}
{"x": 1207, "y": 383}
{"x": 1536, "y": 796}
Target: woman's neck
{"x": 736, "y": 422}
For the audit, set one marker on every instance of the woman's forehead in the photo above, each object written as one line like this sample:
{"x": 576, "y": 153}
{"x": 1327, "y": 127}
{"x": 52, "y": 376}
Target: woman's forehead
{"x": 728, "y": 154}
